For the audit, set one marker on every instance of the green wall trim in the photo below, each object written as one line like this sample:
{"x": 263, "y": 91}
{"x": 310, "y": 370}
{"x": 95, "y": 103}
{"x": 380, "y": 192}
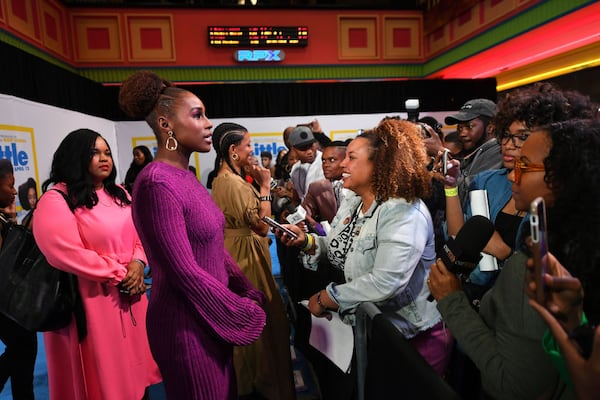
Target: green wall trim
{"x": 263, "y": 73}
{"x": 14, "y": 41}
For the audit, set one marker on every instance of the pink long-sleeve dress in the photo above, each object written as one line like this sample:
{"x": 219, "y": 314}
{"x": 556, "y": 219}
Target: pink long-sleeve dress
{"x": 114, "y": 360}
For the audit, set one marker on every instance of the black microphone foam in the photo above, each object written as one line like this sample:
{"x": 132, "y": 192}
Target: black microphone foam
{"x": 462, "y": 253}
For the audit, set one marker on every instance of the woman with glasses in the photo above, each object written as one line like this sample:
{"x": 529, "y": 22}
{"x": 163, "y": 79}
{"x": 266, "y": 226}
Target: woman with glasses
{"x": 558, "y": 163}
{"x": 518, "y": 113}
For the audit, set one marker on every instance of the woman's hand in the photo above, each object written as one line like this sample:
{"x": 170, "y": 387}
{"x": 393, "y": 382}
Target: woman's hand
{"x": 564, "y": 294}
{"x": 433, "y": 143}
{"x": 442, "y": 282}
{"x": 261, "y": 175}
{"x": 450, "y": 179}
{"x": 134, "y": 279}
{"x": 289, "y": 240}
{"x": 320, "y": 310}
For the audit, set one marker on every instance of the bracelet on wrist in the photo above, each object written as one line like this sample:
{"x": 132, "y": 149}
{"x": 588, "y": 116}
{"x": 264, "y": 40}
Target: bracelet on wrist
{"x": 309, "y": 242}
{"x": 266, "y": 198}
{"x": 305, "y": 242}
{"x": 141, "y": 262}
{"x": 451, "y": 192}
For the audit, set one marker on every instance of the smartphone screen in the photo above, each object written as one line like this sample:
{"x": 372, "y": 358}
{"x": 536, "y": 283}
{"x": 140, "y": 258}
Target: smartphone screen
{"x": 539, "y": 238}
{"x": 277, "y": 225}
{"x": 445, "y": 157}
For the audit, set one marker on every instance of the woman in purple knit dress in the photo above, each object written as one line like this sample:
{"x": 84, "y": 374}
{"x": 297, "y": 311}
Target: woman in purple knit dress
{"x": 201, "y": 304}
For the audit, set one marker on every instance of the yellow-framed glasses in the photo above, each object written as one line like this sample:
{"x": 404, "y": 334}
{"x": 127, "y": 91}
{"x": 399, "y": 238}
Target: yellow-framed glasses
{"x": 522, "y": 168}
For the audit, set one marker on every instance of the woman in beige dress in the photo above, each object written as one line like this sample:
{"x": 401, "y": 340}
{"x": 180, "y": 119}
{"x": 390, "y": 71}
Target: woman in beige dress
{"x": 263, "y": 369}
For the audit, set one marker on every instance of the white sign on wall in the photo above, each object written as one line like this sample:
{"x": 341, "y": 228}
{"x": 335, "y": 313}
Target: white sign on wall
{"x": 30, "y": 132}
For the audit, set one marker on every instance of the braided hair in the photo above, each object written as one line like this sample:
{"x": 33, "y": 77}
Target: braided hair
{"x": 224, "y": 135}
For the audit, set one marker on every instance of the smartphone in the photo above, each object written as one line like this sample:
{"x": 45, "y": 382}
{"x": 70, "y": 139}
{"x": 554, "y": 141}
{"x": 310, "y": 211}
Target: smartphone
{"x": 277, "y": 225}
{"x": 424, "y": 132}
{"x": 539, "y": 239}
{"x": 445, "y": 158}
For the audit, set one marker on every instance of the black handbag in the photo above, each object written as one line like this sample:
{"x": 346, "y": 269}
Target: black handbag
{"x": 33, "y": 293}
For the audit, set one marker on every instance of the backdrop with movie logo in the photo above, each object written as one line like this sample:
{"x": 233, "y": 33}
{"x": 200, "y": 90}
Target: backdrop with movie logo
{"x": 30, "y": 133}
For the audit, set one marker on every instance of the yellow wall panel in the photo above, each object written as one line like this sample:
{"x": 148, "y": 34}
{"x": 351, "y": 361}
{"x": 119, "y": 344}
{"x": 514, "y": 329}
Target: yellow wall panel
{"x": 150, "y": 37}
{"x": 349, "y": 50}
{"x": 97, "y": 37}
{"x": 20, "y": 16}
{"x": 402, "y": 38}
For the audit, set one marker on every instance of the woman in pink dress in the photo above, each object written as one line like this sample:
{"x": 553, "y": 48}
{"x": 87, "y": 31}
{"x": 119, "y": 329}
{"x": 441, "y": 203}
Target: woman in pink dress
{"x": 94, "y": 238}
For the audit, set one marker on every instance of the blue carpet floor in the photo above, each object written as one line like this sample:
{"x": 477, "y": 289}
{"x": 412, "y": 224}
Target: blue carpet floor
{"x": 305, "y": 386}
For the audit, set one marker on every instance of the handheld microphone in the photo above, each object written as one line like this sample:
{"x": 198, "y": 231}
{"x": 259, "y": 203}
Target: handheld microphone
{"x": 461, "y": 254}
{"x": 297, "y": 216}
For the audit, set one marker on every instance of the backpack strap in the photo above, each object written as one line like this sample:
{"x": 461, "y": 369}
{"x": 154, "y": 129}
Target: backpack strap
{"x": 78, "y": 310}
{"x": 5, "y": 224}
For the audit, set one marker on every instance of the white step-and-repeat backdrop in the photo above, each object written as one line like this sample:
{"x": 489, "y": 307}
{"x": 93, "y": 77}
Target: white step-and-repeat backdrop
{"x": 30, "y": 133}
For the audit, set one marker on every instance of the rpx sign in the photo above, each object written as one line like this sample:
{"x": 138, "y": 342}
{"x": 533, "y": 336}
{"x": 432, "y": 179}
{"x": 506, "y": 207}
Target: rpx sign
{"x": 259, "y": 55}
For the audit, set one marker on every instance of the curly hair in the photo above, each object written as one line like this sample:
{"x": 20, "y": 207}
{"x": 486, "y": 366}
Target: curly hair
{"x": 145, "y": 95}
{"x": 581, "y": 106}
{"x": 572, "y": 167}
{"x": 70, "y": 164}
{"x": 535, "y": 105}
{"x": 224, "y": 135}
{"x": 399, "y": 157}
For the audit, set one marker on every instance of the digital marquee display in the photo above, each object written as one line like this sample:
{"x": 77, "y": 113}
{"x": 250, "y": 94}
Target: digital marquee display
{"x": 253, "y": 36}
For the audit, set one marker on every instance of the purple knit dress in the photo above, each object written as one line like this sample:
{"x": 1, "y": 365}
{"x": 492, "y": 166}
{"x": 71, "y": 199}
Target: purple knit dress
{"x": 201, "y": 304}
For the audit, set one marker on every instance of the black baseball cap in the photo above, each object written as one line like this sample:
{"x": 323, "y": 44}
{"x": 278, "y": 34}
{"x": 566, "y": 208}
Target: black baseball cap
{"x": 301, "y": 136}
{"x": 472, "y": 109}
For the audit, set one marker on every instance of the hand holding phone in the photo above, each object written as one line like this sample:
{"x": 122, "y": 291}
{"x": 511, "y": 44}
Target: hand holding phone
{"x": 444, "y": 161}
{"x": 539, "y": 247}
{"x": 271, "y": 222}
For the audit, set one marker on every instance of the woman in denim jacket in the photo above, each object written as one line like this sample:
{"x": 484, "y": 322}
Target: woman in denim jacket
{"x": 382, "y": 238}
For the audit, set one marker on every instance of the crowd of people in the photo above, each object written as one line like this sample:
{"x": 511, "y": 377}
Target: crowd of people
{"x": 376, "y": 211}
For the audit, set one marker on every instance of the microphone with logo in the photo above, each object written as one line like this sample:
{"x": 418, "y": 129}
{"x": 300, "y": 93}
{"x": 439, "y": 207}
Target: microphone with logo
{"x": 299, "y": 215}
{"x": 461, "y": 254}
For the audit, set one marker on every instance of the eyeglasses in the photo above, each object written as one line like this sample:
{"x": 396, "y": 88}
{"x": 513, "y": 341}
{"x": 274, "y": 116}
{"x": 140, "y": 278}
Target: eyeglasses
{"x": 517, "y": 140}
{"x": 522, "y": 168}
{"x": 469, "y": 127}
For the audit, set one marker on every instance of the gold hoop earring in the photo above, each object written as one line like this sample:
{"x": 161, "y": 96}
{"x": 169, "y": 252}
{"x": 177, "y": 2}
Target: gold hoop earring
{"x": 171, "y": 143}
{"x": 235, "y": 157}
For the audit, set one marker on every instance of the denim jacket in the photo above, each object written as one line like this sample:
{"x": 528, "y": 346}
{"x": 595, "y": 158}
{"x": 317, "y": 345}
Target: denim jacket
{"x": 387, "y": 262}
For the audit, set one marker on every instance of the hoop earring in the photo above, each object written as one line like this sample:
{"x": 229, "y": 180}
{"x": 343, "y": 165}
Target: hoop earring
{"x": 171, "y": 143}
{"x": 235, "y": 157}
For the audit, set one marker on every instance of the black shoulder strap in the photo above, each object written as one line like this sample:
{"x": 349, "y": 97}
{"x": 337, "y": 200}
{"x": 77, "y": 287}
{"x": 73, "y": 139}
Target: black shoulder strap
{"x": 3, "y": 219}
{"x": 29, "y": 217}
{"x": 78, "y": 310}
{"x": 64, "y": 195}
{"x": 5, "y": 224}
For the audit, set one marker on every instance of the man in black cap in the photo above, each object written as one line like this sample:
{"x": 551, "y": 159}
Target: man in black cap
{"x": 481, "y": 151}
{"x": 309, "y": 168}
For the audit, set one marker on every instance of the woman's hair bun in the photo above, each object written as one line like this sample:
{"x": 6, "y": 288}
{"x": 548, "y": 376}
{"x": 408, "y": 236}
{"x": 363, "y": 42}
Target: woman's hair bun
{"x": 140, "y": 92}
